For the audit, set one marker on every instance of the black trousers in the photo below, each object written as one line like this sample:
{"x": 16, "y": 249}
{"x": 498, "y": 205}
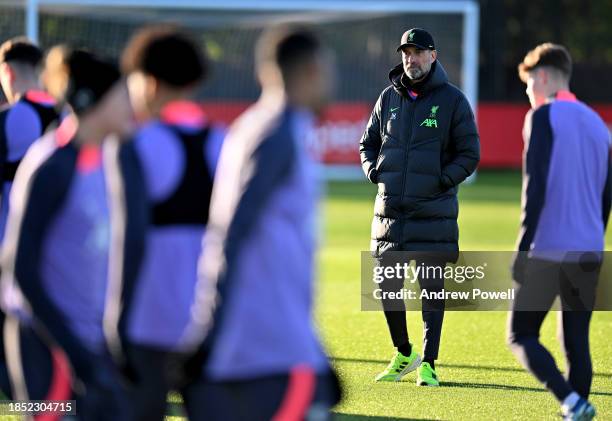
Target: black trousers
{"x": 34, "y": 360}
{"x": 432, "y": 310}
{"x": 257, "y": 399}
{"x": 42, "y": 371}
{"x": 298, "y": 395}
{"x": 534, "y": 296}
{"x": 153, "y": 378}
{"x": 5, "y": 383}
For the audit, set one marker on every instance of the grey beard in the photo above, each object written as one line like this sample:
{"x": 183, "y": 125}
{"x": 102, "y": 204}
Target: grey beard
{"x": 415, "y": 74}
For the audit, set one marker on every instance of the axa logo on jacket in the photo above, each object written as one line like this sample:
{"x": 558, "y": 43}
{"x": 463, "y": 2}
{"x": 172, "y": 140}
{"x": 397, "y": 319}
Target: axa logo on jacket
{"x": 431, "y": 121}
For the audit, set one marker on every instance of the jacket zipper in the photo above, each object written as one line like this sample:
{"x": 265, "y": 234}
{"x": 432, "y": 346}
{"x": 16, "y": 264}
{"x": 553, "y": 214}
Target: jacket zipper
{"x": 412, "y": 104}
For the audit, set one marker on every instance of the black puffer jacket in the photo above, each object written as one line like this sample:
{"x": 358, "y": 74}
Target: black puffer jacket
{"x": 418, "y": 151}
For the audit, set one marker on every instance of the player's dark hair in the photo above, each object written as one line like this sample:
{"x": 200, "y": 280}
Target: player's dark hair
{"x": 78, "y": 77}
{"x": 167, "y": 54}
{"x": 287, "y": 47}
{"x": 549, "y": 55}
{"x": 20, "y": 50}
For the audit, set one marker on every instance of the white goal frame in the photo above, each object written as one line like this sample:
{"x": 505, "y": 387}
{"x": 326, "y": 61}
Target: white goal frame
{"x": 469, "y": 9}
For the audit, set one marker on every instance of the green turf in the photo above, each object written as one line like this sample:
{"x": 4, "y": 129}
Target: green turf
{"x": 481, "y": 379}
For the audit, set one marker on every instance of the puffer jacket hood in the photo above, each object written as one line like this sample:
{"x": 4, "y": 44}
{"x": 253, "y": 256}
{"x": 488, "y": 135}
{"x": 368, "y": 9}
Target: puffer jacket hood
{"x": 435, "y": 78}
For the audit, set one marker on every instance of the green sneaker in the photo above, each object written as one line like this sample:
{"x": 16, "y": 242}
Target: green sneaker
{"x": 399, "y": 366}
{"x": 427, "y": 376}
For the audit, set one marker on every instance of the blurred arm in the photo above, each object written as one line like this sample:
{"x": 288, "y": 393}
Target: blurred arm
{"x": 607, "y": 194}
{"x": 48, "y": 188}
{"x": 538, "y": 149}
{"x": 267, "y": 167}
{"x": 3, "y": 149}
{"x": 133, "y": 204}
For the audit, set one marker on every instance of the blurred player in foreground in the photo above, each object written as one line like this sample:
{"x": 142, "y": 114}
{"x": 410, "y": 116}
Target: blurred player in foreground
{"x": 262, "y": 357}
{"x": 56, "y": 256}
{"x": 178, "y": 150}
{"x": 30, "y": 113}
{"x": 566, "y": 204}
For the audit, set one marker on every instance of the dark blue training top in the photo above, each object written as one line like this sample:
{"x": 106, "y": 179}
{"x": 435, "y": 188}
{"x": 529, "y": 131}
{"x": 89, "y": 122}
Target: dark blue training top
{"x": 20, "y": 125}
{"x": 258, "y": 256}
{"x": 567, "y": 179}
{"x": 178, "y": 154}
{"x": 57, "y": 254}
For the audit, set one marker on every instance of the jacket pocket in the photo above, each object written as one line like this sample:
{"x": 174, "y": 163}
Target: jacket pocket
{"x": 389, "y": 148}
{"x": 377, "y": 164}
{"x": 390, "y": 141}
{"x": 373, "y": 174}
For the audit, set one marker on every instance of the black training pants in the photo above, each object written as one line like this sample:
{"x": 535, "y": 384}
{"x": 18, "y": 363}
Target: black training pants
{"x": 534, "y": 295}
{"x": 432, "y": 309}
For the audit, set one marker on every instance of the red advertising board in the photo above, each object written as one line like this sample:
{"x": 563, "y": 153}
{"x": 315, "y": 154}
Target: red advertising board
{"x": 336, "y": 139}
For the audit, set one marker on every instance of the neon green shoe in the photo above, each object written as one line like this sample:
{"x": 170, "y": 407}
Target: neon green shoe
{"x": 427, "y": 376}
{"x": 399, "y": 366}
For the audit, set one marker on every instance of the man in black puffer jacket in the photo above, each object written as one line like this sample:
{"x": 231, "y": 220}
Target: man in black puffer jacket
{"x": 421, "y": 142}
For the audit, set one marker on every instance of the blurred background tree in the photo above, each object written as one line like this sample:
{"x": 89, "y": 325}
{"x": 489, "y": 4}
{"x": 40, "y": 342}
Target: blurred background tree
{"x": 510, "y": 28}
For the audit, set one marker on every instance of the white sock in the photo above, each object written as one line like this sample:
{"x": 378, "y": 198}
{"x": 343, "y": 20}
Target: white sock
{"x": 569, "y": 402}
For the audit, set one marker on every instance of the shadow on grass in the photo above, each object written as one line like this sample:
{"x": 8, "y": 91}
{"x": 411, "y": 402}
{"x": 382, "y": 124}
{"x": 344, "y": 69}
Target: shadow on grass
{"x": 505, "y": 387}
{"x": 338, "y": 416}
{"x": 463, "y": 366}
{"x": 175, "y": 409}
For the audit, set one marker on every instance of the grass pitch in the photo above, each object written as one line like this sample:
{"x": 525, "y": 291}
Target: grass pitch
{"x": 480, "y": 378}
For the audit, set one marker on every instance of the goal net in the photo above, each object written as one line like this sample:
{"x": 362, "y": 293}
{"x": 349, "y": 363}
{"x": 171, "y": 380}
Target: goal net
{"x": 364, "y": 36}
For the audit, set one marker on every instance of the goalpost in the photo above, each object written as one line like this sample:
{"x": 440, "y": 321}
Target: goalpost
{"x": 363, "y": 34}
